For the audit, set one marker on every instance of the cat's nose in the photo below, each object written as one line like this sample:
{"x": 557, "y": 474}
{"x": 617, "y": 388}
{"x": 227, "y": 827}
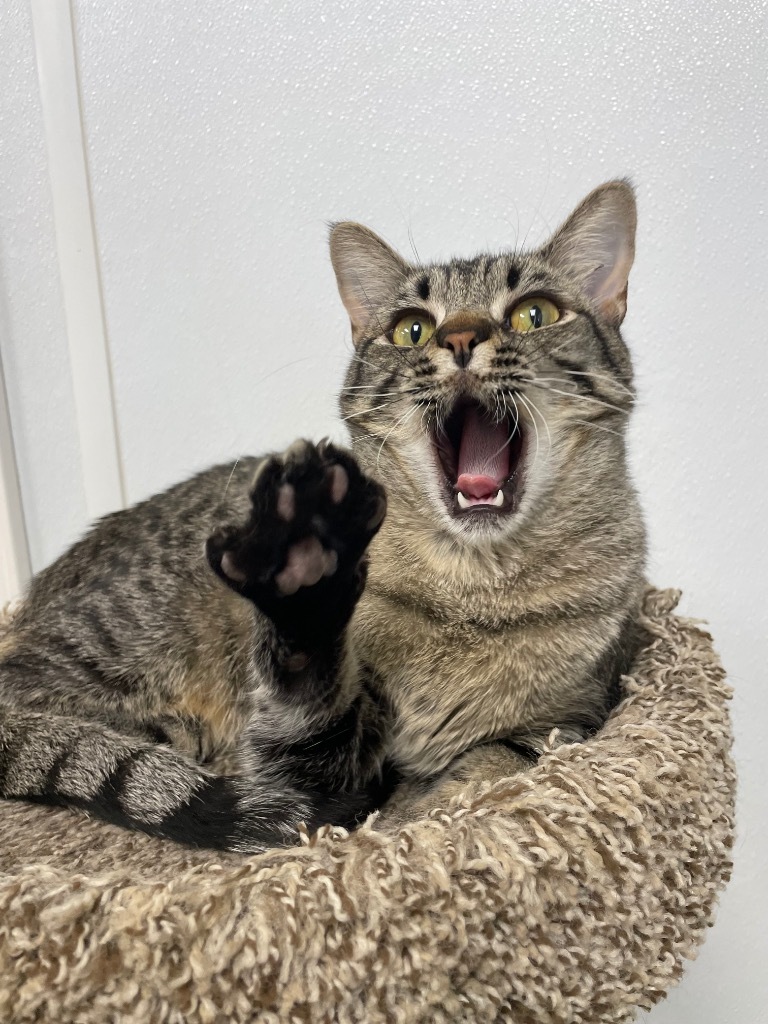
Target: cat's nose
{"x": 462, "y": 336}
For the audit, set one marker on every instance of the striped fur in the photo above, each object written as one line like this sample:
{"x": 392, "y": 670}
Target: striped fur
{"x": 250, "y": 650}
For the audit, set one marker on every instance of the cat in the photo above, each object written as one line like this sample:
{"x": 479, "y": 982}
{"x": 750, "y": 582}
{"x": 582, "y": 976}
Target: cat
{"x": 282, "y": 640}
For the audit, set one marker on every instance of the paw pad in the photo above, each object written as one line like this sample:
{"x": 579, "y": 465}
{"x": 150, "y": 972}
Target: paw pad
{"x": 339, "y": 483}
{"x": 307, "y": 562}
{"x": 286, "y": 502}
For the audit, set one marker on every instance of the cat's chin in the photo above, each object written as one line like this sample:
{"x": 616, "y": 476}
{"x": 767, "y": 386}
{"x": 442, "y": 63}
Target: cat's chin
{"x": 480, "y": 462}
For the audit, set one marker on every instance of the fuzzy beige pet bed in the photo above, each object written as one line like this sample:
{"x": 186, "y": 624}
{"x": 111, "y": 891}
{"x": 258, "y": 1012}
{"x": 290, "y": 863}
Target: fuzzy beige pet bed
{"x": 570, "y": 893}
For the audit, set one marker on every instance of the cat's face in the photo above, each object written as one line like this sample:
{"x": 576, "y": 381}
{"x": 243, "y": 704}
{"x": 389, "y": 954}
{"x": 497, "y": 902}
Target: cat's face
{"x": 481, "y": 390}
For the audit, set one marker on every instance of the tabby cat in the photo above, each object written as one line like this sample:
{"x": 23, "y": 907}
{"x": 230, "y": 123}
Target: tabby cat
{"x": 261, "y": 646}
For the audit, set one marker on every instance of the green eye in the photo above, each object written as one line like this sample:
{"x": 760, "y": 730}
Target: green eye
{"x": 413, "y": 330}
{"x": 533, "y": 313}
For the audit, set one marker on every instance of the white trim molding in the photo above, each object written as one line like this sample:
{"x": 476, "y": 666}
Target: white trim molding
{"x": 14, "y": 551}
{"x": 78, "y": 259}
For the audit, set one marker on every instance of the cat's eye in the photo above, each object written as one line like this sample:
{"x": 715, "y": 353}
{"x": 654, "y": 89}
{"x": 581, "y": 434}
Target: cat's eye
{"x": 533, "y": 313}
{"x": 413, "y": 330}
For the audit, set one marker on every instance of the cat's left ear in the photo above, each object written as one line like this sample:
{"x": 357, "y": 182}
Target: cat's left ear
{"x": 368, "y": 272}
{"x": 597, "y": 246}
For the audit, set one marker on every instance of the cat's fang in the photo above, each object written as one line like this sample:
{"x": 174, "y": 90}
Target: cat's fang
{"x": 465, "y": 502}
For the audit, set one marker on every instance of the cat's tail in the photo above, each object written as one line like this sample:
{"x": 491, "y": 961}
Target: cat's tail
{"x": 151, "y": 787}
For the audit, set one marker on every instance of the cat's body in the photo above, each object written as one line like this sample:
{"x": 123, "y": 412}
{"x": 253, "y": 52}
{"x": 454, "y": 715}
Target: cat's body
{"x": 502, "y": 588}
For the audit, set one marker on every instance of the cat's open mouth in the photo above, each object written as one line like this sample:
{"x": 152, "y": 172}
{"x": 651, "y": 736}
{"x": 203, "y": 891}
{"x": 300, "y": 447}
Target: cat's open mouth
{"x": 481, "y": 460}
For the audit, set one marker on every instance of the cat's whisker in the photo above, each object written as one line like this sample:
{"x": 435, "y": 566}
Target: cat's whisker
{"x": 612, "y": 381}
{"x": 366, "y": 412}
{"x": 354, "y": 438}
{"x": 559, "y": 380}
{"x": 413, "y": 246}
{"x": 424, "y": 412}
{"x": 229, "y": 478}
{"x": 581, "y": 398}
{"x": 511, "y": 396}
{"x": 413, "y": 385}
{"x": 599, "y": 426}
{"x": 534, "y": 408}
{"x": 393, "y": 395}
{"x": 400, "y": 422}
{"x": 499, "y": 407}
{"x": 357, "y": 358}
{"x": 376, "y": 435}
{"x": 521, "y": 396}
{"x": 544, "y": 344}
{"x": 575, "y": 393}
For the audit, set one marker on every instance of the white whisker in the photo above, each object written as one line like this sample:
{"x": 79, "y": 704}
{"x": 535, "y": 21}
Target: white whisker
{"x": 599, "y": 426}
{"x": 535, "y": 428}
{"x": 364, "y": 412}
{"x": 402, "y": 420}
{"x": 229, "y": 481}
{"x": 581, "y": 398}
{"x": 612, "y": 381}
{"x": 366, "y": 362}
{"x": 533, "y": 407}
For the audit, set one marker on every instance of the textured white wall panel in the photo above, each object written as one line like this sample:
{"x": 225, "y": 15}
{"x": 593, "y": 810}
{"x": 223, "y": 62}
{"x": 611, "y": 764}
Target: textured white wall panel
{"x": 222, "y": 137}
{"x": 33, "y": 341}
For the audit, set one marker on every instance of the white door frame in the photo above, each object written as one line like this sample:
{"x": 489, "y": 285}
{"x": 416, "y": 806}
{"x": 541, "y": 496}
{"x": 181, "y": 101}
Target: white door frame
{"x": 14, "y": 550}
{"x": 79, "y": 268}
{"x": 53, "y": 29}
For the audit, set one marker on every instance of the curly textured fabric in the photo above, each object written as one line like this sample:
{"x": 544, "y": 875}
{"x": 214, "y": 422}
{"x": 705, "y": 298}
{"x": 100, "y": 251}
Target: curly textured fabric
{"x": 570, "y": 893}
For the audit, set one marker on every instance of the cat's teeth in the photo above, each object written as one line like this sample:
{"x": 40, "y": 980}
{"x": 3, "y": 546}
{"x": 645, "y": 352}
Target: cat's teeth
{"x": 464, "y": 501}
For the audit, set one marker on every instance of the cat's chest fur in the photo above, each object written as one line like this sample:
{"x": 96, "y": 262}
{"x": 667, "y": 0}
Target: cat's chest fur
{"x": 461, "y": 659}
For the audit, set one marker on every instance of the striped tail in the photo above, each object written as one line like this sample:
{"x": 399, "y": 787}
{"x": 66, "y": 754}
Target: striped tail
{"x": 140, "y": 785}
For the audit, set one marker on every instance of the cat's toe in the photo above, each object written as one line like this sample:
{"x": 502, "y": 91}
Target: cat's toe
{"x": 221, "y": 556}
{"x": 230, "y": 568}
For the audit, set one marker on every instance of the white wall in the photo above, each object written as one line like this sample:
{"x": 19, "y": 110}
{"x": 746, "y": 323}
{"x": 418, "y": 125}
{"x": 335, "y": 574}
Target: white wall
{"x": 220, "y": 139}
{"x": 33, "y": 341}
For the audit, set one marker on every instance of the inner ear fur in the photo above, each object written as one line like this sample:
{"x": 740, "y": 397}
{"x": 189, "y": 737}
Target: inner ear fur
{"x": 368, "y": 272}
{"x": 596, "y": 245}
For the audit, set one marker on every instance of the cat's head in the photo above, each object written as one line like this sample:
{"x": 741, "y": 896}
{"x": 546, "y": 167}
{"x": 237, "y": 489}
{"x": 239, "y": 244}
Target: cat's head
{"x": 484, "y": 390}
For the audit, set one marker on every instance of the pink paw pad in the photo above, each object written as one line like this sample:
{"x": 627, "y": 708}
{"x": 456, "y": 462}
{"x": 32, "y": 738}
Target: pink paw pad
{"x": 306, "y": 564}
{"x": 339, "y": 481}
{"x": 286, "y": 502}
{"x": 229, "y": 568}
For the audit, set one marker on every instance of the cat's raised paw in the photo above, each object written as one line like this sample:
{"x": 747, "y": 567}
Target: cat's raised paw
{"x": 300, "y": 552}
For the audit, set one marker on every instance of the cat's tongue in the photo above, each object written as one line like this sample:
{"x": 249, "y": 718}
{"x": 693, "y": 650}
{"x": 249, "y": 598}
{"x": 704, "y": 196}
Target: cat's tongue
{"x": 483, "y": 456}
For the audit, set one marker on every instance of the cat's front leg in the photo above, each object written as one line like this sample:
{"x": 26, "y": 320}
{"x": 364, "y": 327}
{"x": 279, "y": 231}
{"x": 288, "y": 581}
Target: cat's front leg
{"x": 300, "y": 558}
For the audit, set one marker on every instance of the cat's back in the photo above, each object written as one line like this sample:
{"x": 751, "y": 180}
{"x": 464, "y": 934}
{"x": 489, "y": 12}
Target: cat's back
{"x": 131, "y": 621}
{"x": 158, "y": 534}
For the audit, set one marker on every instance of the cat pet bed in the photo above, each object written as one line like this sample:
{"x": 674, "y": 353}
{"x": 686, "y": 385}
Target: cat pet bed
{"x": 570, "y": 893}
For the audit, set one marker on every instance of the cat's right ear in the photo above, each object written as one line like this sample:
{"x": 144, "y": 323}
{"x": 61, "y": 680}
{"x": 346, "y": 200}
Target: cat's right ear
{"x": 368, "y": 272}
